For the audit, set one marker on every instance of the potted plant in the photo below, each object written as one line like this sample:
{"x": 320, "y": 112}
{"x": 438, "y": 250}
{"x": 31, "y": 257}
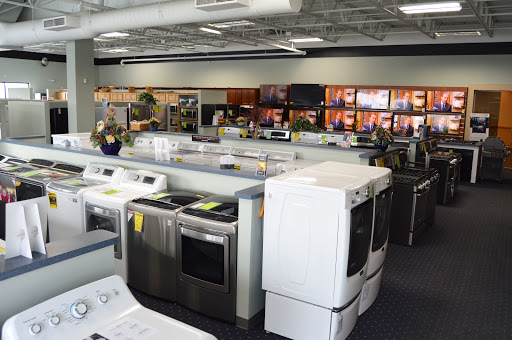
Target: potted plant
{"x": 303, "y": 124}
{"x": 109, "y": 135}
{"x": 254, "y": 115}
{"x": 381, "y": 138}
{"x": 240, "y": 121}
{"x": 154, "y": 123}
{"x": 147, "y": 98}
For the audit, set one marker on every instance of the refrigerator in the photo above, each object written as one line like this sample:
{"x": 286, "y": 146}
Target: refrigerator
{"x": 59, "y": 121}
{"x": 121, "y": 115}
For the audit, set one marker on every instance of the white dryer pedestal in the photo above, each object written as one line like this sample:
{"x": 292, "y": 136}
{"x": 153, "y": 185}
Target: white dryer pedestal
{"x": 370, "y": 291}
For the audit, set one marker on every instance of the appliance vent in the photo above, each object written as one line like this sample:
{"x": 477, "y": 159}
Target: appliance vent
{"x": 61, "y": 23}
{"x": 218, "y": 5}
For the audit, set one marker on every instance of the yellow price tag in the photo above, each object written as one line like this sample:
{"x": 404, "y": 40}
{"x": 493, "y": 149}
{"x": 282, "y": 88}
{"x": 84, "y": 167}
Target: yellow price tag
{"x": 2, "y": 250}
{"x": 398, "y": 162}
{"x": 139, "y": 220}
{"x": 380, "y": 162}
{"x": 463, "y": 110}
{"x": 53, "y": 200}
{"x": 209, "y": 205}
{"x": 244, "y": 133}
{"x": 222, "y": 131}
{"x": 111, "y": 192}
{"x": 296, "y": 137}
{"x": 18, "y": 183}
{"x": 237, "y": 167}
{"x": 179, "y": 160}
{"x": 425, "y": 148}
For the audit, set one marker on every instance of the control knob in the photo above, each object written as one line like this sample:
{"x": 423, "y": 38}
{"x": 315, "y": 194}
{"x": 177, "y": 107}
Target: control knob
{"x": 367, "y": 193}
{"x": 54, "y": 320}
{"x": 388, "y": 180}
{"x": 35, "y": 329}
{"x": 102, "y": 299}
{"x": 78, "y": 310}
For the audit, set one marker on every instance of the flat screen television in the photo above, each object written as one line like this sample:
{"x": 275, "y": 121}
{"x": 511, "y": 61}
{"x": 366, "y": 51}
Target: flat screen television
{"x": 372, "y": 99}
{"x": 407, "y": 125}
{"x": 339, "y": 119}
{"x": 340, "y": 96}
{"x": 407, "y": 100}
{"x": 311, "y": 115}
{"x": 271, "y": 117}
{"x": 306, "y": 94}
{"x": 446, "y": 101}
{"x": 274, "y": 94}
{"x": 444, "y": 123}
{"x": 368, "y": 120}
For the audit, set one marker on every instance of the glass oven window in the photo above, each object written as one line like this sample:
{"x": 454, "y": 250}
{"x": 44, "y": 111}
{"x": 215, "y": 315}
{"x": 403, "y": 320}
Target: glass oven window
{"x": 382, "y": 219}
{"x": 26, "y": 191}
{"x": 360, "y": 236}
{"x": 202, "y": 260}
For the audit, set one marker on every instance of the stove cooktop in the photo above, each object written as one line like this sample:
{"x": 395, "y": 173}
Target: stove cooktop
{"x": 458, "y": 141}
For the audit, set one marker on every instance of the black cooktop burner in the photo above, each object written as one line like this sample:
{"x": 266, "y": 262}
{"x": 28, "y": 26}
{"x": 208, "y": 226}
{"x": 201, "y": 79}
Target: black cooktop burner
{"x": 458, "y": 141}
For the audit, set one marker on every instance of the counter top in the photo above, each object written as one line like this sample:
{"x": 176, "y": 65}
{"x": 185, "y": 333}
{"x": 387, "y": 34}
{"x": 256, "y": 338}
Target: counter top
{"x": 56, "y": 252}
{"x": 251, "y": 193}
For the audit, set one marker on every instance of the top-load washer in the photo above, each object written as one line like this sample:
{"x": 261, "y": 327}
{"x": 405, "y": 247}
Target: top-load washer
{"x": 317, "y": 233}
{"x": 275, "y": 158}
{"x": 183, "y": 151}
{"x": 382, "y": 199}
{"x": 104, "y": 309}
{"x": 151, "y": 241}
{"x": 144, "y": 147}
{"x": 106, "y": 208}
{"x": 210, "y": 155}
{"x": 246, "y": 159}
{"x": 66, "y": 216}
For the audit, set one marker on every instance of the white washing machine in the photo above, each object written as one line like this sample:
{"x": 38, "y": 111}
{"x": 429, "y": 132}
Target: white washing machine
{"x": 209, "y": 156}
{"x": 317, "y": 232}
{"x": 144, "y": 147}
{"x": 275, "y": 158}
{"x": 246, "y": 159}
{"x": 76, "y": 140}
{"x": 185, "y": 151}
{"x": 66, "y": 198}
{"x": 296, "y": 164}
{"x": 106, "y": 208}
{"x": 103, "y": 309}
{"x": 382, "y": 199}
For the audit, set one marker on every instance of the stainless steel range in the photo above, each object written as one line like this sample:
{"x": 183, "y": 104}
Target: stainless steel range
{"x": 448, "y": 165}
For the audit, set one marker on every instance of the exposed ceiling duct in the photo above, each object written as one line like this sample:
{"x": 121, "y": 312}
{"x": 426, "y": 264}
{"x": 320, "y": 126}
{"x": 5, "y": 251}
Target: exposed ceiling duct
{"x": 178, "y": 12}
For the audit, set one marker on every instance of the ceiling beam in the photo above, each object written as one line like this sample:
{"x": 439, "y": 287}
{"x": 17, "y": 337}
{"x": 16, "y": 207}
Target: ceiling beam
{"x": 262, "y": 22}
{"x": 170, "y": 37}
{"x": 479, "y": 17}
{"x": 342, "y": 26}
{"x": 203, "y": 36}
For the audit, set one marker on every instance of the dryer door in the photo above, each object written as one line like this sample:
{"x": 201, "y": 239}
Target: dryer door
{"x": 106, "y": 219}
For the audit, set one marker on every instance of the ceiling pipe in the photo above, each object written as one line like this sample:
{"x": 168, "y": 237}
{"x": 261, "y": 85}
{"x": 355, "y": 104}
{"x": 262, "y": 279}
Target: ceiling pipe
{"x": 145, "y": 60}
{"x": 179, "y": 12}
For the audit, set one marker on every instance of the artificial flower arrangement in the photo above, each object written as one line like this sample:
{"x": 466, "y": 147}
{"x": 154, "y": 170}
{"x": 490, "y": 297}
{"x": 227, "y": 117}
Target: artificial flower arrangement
{"x": 110, "y": 131}
{"x": 382, "y": 136}
{"x": 154, "y": 122}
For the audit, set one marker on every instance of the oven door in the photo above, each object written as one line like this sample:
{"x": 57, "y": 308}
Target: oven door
{"x": 360, "y": 236}
{"x": 203, "y": 258}
{"x": 419, "y": 209}
{"x": 105, "y": 219}
{"x": 382, "y": 218}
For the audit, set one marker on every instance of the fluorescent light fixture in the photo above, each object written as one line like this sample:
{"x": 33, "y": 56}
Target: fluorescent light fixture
{"x": 188, "y": 47}
{"x": 117, "y": 50}
{"x": 431, "y": 7}
{"x": 5, "y": 49}
{"x": 114, "y": 34}
{"x": 449, "y": 34}
{"x": 297, "y": 40}
{"x": 234, "y": 23}
{"x": 209, "y": 30}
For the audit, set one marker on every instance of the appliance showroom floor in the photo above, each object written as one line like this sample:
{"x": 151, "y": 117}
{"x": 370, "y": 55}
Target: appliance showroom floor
{"x": 455, "y": 283}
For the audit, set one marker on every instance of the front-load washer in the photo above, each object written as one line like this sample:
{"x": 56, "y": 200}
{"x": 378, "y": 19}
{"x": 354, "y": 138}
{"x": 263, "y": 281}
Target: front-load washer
{"x": 66, "y": 213}
{"x": 104, "y": 309}
{"x": 206, "y": 249}
{"x": 382, "y": 200}
{"x": 316, "y": 239}
{"x": 151, "y": 241}
{"x": 106, "y": 208}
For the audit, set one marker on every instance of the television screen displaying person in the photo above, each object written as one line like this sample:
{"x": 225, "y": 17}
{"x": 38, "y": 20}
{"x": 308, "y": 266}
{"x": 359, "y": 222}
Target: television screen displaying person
{"x": 443, "y": 105}
{"x": 441, "y": 126}
{"x": 338, "y": 101}
{"x": 267, "y": 121}
{"x": 271, "y": 97}
{"x": 407, "y": 127}
{"x": 405, "y": 103}
{"x": 370, "y": 101}
{"x": 337, "y": 123}
{"x": 370, "y": 125}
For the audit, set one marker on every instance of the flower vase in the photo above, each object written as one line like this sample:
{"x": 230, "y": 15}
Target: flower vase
{"x": 240, "y": 123}
{"x": 111, "y": 149}
{"x": 154, "y": 128}
{"x": 380, "y": 147}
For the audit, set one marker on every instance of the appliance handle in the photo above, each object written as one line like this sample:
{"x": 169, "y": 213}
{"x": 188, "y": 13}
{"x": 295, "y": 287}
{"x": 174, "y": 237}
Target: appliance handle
{"x": 202, "y": 236}
{"x": 105, "y": 212}
{"x": 423, "y": 193}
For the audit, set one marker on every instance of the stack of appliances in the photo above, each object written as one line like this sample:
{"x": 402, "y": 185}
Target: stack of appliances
{"x": 103, "y": 309}
{"x": 106, "y": 208}
{"x": 317, "y": 233}
{"x": 206, "y": 252}
{"x": 152, "y": 242}
{"x": 67, "y": 195}
{"x": 382, "y": 199}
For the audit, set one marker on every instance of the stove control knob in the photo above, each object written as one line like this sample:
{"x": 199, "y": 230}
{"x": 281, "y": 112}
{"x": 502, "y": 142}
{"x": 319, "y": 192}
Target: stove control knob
{"x": 102, "y": 299}
{"x": 54, "y": 320}
{"x": 388, "y": 180}
{"x": 367, "y": 193}
{"x": 96, "y": 170}
{"x": 35, "y": 329}
{"x": 78, "y": 310}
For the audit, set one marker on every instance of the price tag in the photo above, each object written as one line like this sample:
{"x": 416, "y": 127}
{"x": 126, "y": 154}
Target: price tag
{"x": 380, "y": 162}
{"x": 269, "y": 135}
{"x": 111, "y": 192}
{"x": 451, "y": 150}
{"x": 230, "y": 113}
{"x": 156, "y": 197}
{"x": 398, "y": 162}
{"x": 209, "y": 205}
{"x": 52, "y": 197}
{"x": 139, "y": 219}
{"x": 13, "y": 168}
{"x": 179, "y": 160}
{"x": 76, "y": 182}
{"x": 222, "y": 131}
{"x": 244, "y": 133}
{"x": 184, "y": 125}
{"x": 237, "y": 167}
{"x": 30, "y": 174}
{"x": 296, "y": 137}
{"x": 425, "y": 147}
{"x": 463, "y": 110}
{"x": 136, "y": 112}
{"x": 324, "y": 139}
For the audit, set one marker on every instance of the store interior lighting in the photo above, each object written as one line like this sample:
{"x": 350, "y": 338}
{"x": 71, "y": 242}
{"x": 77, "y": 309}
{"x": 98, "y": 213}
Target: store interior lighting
{"x": 431, "y": 8}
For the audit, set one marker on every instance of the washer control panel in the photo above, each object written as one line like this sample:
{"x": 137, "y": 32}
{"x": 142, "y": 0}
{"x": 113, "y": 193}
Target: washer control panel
{"x": 70, "y": 314}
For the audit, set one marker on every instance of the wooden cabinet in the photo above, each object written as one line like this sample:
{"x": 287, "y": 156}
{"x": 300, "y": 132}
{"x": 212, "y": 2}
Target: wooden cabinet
{"x": 129, "y": 97}
{"x": 61, "y": 96}
{"x": 101, "y": 95}
{"x": 116, "y": 96}
{"x": 161, "y": 97}
{"x": 171, "y": 98}
{"x": 231, "y": 96}
{"x": 249, "y": 97}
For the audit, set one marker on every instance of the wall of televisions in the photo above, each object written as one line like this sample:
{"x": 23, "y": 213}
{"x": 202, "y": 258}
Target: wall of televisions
{"x": 360, "y": 108}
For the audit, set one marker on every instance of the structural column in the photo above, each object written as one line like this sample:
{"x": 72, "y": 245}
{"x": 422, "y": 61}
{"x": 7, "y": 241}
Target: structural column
{"x": 80, "y": 82}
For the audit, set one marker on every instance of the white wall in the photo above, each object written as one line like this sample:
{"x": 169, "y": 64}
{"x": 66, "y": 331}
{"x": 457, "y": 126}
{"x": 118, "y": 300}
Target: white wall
{"x": 21, "y": 70}
{"x": 411, "y": 71}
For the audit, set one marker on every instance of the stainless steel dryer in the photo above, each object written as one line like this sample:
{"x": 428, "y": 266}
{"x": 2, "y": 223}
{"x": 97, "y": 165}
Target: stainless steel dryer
{"x": 151, "y": 241}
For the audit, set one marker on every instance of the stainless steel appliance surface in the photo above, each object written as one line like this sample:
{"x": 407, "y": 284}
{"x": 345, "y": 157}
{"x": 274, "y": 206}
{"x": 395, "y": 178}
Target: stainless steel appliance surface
{"x": 448, "y": 165}
{"x": 493, "y": 159}
{"x": 206, "y": 257}
{"x": 151, "y": 241}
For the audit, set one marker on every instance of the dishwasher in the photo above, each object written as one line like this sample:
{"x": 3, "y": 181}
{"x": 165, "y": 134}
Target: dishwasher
{"x": 151, "y": 241}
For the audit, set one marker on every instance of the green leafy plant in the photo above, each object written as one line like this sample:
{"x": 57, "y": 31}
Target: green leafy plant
{"x": 382, "y": 136}
{"x": 147, "y": 98}
{"x": 303, "y": 124}
{"x": 110, "y": 131}
{"x": 354, "y": 124}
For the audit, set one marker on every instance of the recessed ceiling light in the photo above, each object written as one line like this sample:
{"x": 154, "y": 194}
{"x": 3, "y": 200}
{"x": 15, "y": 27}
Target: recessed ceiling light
{"x": 448, "y": 34}
{"x": 431, "y": 7}
{"x": 305, "y": 39}
{"x": 234, "y": 23}
{"x": 117, "y": 50}
{"x": 114, "y": 34}
{"x": 209, "y": 30}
